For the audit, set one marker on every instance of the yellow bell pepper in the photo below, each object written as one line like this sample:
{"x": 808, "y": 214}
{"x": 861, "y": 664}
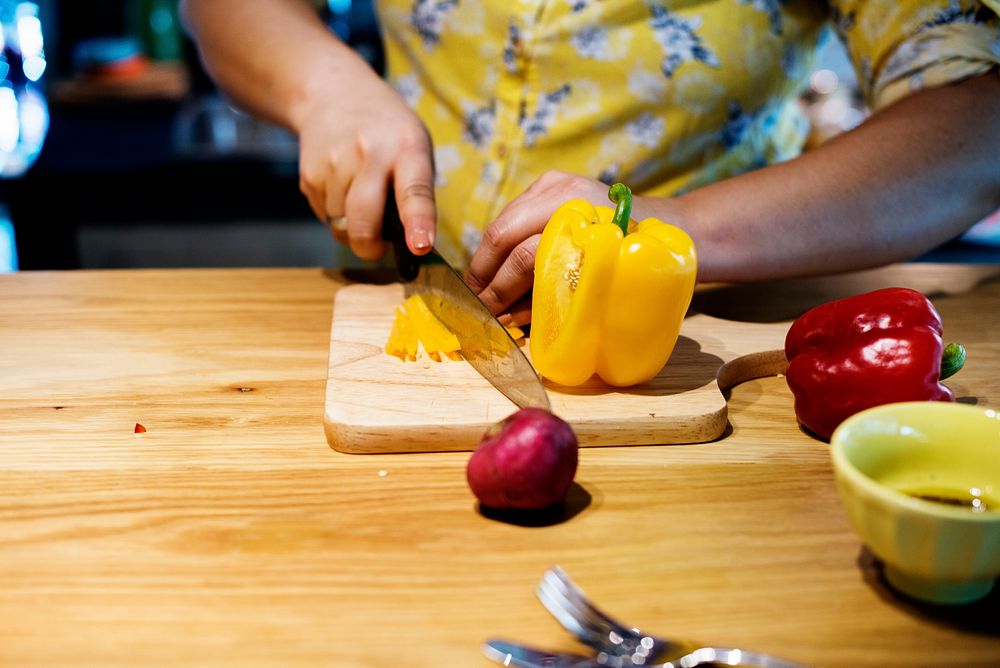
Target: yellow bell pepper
{"x": 609, "y": 294}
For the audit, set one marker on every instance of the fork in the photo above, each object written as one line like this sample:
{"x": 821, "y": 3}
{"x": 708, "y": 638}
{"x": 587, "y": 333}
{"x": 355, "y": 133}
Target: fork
{"x": 619, "y": 645}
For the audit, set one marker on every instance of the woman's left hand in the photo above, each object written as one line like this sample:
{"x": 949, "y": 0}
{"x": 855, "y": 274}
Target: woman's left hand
{"x": 502, "y": 268}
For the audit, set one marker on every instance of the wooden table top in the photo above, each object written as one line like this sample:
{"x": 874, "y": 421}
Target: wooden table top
{"x": 231, "y": 534}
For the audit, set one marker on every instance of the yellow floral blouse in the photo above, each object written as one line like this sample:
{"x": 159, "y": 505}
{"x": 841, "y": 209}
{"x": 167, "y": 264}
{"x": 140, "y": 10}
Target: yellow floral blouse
{"x": 665, "y": 95}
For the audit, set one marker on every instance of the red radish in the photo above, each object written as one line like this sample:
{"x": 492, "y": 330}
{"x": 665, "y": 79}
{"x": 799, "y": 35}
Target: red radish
{"x": 526, "y": 461}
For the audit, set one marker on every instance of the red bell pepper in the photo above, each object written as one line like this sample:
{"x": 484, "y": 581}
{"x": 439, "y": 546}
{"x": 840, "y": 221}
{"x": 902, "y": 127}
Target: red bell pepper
{"x": 876, "y": 348}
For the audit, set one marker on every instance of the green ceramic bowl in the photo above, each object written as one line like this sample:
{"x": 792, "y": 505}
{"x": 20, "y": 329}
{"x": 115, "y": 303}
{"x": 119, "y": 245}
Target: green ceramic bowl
{"x": 890, "y": 460}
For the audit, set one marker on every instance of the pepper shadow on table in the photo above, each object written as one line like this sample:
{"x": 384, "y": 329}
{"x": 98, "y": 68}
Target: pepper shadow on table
{"x": 981, "y": 617}
{"x": 688, "y": 368}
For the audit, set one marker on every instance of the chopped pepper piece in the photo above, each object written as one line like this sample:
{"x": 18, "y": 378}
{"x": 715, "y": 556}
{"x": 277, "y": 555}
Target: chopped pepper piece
{"x": 876, "y": 348}
{"x": 416, "y": 322}
{"x": 609, "y": 295}
{"x": 403, "y": 337}
{"x": 515, "y": 332}
{"x": 433, "y": 335}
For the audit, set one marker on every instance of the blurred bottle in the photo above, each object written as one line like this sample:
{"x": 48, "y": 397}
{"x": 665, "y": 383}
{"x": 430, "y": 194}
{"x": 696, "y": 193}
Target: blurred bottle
{"x": 157, "y": 24}
{"x": 24, "y": 112}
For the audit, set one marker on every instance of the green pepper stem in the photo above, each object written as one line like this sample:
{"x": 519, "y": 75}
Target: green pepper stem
{"x": 622, "y": 197}
{"x": 952, "y": 359}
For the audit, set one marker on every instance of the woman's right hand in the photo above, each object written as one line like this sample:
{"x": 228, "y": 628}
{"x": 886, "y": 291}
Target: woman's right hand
{"x": 353, "y": 144}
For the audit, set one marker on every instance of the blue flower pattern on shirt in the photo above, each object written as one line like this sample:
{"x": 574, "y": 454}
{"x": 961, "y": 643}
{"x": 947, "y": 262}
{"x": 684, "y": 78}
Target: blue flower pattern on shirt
{"x": 745, "y": 126}
{"x": 900, "y": 63}
{"x": 591, "y": 42}
{"x": 537, "y": 125}
{"x": 843, "y": 22}
{"x": 479, "y": 124}
{"x": 737, "y": 126}
{"x": 770, "y": 7}
{"x": 610, "y": 174}
{"x": 512, "y": 47}
{"x": 954, "y": 13}
{"x": 646, "y": 130}
{"x": 679, "y": 39}
{"x": 427, "y": 18}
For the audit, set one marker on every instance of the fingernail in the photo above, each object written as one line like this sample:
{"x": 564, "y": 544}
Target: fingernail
{"x": 505, "y": 319}
{"x": 421, "y": 239}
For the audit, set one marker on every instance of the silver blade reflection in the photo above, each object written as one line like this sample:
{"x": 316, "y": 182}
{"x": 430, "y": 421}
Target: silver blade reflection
{"x": 513, "y": 654}
{"x": 486, "y": 344}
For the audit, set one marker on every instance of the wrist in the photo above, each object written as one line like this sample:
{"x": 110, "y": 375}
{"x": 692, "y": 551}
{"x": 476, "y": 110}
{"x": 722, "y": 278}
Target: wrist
{"x": 667, "y": 209}
{"x": 322, "y": 83}
{"x": 679, "y": 212}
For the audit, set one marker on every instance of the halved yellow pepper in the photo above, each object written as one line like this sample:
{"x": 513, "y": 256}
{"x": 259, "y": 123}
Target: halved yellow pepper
{"x": 609, "y": 294}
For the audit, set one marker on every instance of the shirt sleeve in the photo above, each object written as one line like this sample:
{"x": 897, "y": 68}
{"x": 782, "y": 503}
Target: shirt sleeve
{"x": 900, "y": 46}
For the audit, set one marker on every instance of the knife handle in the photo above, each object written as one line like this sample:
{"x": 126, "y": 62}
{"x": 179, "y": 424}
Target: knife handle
{"x": 407, "y": 264}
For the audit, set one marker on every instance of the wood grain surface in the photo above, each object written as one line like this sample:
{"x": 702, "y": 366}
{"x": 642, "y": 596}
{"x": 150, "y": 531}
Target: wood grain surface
{"x": 231, "y": 534}
{"x": 378, "y": 403}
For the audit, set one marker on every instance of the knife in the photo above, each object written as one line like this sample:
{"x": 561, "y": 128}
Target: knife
{"x": 486, "y": 344}
{"x": 513, "y": 654}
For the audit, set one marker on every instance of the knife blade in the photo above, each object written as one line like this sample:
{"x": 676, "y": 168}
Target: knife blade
{"x": 486, "y": 344}
{"x": 513, "y": 654}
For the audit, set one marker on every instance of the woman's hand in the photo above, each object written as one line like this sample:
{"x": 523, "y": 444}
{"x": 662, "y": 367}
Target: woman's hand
{"x": 356, "y": 136}
{"x": 353, "y": 145}
{"x": 502, "y": 269}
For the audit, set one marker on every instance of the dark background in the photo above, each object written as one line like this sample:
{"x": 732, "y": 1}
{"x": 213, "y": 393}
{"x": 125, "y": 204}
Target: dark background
{"x": 173, "y": 177}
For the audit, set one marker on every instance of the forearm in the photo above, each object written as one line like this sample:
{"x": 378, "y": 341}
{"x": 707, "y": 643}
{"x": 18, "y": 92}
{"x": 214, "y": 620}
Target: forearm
{"x": 911, "y": 177}
{"x": 273, "y": 57}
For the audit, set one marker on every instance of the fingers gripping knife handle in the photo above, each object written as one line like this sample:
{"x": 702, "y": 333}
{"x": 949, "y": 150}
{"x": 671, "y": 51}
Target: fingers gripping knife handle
{"x": 407, "y": 264}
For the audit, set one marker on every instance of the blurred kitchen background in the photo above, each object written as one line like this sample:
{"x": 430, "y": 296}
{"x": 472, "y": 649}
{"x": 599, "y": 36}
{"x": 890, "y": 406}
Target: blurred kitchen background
{"x": 116, "y": 150}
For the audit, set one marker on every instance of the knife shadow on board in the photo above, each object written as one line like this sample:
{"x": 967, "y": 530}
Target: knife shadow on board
{"x": 377, "y": 275}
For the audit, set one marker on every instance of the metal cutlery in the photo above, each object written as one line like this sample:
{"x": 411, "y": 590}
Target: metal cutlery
{"x": 624, "y": 645}
{"x": 513, "y": 654}
{"x": 617, "y": 645}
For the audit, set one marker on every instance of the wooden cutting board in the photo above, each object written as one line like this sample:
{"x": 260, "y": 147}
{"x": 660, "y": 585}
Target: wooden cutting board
{"x": 377, "y": 403}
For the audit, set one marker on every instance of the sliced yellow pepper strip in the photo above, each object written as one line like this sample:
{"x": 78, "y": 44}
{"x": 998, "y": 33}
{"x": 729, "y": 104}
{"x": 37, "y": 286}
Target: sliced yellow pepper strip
{"x": 609, "y": 295}
{"x": 433, "y": 335}
{"x": 403, "y": 337}
{"x": 416, "y": 320}
{"x": 515, "y": 332}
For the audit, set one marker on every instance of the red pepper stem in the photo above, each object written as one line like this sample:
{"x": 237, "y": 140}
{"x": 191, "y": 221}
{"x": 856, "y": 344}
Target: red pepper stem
{"x": 621, "y": 195}
{"x": 952, "y": 359}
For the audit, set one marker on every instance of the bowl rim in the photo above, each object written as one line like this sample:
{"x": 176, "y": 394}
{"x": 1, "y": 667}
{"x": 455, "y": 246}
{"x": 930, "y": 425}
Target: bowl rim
{"x": 844, "y": 467}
